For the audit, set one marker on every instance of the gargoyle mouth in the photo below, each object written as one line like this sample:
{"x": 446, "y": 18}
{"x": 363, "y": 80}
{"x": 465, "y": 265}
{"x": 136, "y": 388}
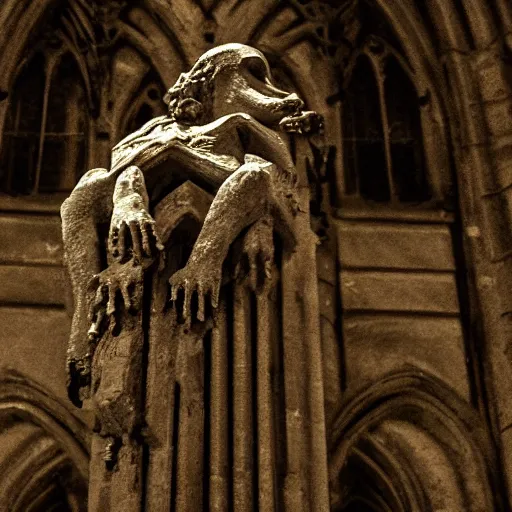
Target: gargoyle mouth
{"x": 304, "y": 122}
{"x": 290, "y": 105}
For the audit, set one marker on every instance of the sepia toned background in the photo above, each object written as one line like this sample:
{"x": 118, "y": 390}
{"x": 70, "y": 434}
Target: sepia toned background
{"x": 411, "y": 199}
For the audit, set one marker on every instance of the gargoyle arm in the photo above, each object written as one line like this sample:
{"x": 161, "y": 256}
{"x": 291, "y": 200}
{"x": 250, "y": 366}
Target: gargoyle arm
{"x": 80, "y": 214}
{"x": 90, "y": 204}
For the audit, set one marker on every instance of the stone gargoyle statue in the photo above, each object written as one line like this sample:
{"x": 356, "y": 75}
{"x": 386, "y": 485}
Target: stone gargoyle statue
{"x": 223, "y": 131}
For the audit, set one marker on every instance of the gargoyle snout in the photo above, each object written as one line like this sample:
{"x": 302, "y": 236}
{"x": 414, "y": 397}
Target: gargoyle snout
{"x": 291, "y": 104}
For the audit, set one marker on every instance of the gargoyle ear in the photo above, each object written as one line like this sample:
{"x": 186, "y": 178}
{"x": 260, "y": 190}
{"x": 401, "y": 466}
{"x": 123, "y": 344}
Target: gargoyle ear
{"x": 188, "y": 110}
{"x": 172, "y": 91}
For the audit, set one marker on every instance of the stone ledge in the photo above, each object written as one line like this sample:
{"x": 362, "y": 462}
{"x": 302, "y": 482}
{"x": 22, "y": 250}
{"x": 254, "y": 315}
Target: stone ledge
{"x": 33, "y": 285}
{"x": 395, "y": 246}
{"x": 29, "y": 239}
{"x": 399, "y": 291}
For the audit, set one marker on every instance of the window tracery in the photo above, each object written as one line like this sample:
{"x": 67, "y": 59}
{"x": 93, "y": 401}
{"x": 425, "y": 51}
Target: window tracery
{"x": 382, "y": 132}
{"x": 66, "y": 108}
{"x": 45, "y": 140}
{"x": 23, "y": 126}
{"x": 65, "y": 136}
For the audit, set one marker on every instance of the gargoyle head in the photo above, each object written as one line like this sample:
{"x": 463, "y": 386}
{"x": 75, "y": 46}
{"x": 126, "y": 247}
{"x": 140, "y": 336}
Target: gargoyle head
{"x": 229, "y": 79}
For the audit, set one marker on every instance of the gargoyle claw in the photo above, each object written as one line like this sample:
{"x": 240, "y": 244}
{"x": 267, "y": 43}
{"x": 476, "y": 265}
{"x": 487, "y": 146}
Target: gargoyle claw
{"x": 118, "y": 279}
{"x": 137, "y": 228}
{"x": 196, "y": 283}
{"x": 303, "y": 122}
{"x": 257, "y": 253}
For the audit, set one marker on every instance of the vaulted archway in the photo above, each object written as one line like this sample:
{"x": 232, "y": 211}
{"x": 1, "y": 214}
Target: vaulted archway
{"x": 409, "y": 443}
{"x": 43, "y": 450}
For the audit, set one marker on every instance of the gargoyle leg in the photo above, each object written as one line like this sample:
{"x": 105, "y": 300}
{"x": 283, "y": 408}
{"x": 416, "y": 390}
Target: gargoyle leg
{"x": 81, "y": 252}
{"x": 246, "y": 196}
{"x": 242, "y": 199}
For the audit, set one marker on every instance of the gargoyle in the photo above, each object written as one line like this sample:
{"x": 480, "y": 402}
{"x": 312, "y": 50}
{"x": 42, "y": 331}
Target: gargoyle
{"x": 223, "y": 131}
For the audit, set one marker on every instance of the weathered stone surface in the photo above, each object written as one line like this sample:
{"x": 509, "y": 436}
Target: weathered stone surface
{"x": 33, "y": 340}
{"x": 455, "y": 53}
{"x": 396, "y": 291}
{"x": 500, "y": 117}
{"x": 30, "y": 239}
{"x": 394, "y": 246}
{"x": 376, "y": 345}
{"x": 33, "y": 285}
{"x": 224, "y": 133}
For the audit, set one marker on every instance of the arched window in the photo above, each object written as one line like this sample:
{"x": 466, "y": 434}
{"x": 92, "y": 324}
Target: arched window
{"x": 383, "y": 150}
{"x": 364, "y": 144}
{"x": 20, "y": 148}
{"x": 64, "y": 156}
{"x": 44, "y": 458}
{"x": 44, "y": 145}
{"x": 405, "y": 134}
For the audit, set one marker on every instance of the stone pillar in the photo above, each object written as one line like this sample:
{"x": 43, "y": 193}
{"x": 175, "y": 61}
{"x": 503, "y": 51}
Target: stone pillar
{"x": 203, "y": 360}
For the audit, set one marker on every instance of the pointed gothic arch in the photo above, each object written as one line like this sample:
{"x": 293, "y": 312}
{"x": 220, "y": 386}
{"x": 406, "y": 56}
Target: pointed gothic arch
{"x": 383, "y": 151}
{"x": 45, "y": 138}
{"x": 408, "y": 442}
{"x": 95, "y": 69}
{"x": 47, "y": 462}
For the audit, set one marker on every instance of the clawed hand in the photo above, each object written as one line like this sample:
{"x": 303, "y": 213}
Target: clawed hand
{"x": 257, "y": 253}
{"x": 201, "y": 280}
{"x": 124, "y": 279}
{"x": 133, "y": 226}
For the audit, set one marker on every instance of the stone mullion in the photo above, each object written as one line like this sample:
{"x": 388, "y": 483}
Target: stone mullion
{"x": 265, "y": 404}
{"x": 496, "y": 98}
{"x": 54, "y": 58}
{"x": 355, "y": 153}
{"x": 11, "y": 153}
{"x": 219, "y": 393}
{"x": 243, "y": 429}
{"x": 190, "y": 456}
{"x": 378, "y": 66}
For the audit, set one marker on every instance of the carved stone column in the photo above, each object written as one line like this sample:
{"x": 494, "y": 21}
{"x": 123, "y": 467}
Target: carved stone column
{"x": 204, "y": 358}
{"x": 233, "y": 408}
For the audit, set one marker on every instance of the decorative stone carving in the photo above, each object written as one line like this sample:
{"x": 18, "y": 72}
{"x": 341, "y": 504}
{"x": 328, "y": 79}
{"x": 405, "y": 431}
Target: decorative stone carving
{"x": 224, "y": 133}
{"x": 219, "y": 123}
{"x": 332, "y": 26}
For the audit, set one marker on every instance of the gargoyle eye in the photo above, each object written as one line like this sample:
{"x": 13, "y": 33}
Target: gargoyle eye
{"x": 257, "y": 69}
